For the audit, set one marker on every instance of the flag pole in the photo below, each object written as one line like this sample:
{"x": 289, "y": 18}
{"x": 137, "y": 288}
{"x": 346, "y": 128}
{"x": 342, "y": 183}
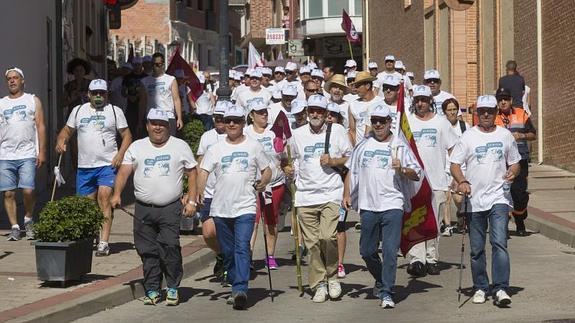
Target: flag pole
{"x": 350, "y": 50}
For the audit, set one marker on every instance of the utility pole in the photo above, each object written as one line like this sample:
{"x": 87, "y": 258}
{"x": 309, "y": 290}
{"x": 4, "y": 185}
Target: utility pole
{"x": 224, "y": 92}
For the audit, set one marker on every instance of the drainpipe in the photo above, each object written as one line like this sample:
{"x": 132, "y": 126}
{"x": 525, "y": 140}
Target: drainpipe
{"x": 539, "y": 84}
{"x": 365, "y": 30}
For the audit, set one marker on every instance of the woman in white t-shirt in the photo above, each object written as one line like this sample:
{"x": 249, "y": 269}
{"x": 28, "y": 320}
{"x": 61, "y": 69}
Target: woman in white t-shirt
{"x": 204, "y": 106}
{"x": 259, "y": 131}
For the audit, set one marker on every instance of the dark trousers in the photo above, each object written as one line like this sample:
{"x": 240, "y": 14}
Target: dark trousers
{"x": 157, "y": 240}
{"x": 519, "y": 193}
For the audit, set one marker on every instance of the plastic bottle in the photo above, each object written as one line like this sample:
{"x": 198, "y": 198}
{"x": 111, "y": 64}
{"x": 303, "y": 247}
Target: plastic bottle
{"x": 507, "y": 189}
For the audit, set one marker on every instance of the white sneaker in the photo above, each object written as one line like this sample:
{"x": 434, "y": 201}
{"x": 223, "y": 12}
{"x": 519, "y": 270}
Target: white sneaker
{"x": 387, "y": 302}
{"x": 103, "y": 249}
{"x": 447, "y": 231}
{"x": 334, "y": 289}
{"x": 479, "y": 297}
{"x": 501, "y": 298}
{"x": 320, "y": 295}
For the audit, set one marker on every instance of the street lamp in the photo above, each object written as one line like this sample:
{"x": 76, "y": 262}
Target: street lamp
{"x": 224, "y": 92}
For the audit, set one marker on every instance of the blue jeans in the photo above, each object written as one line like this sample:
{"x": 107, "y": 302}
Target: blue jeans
{"x": 385, "y": 227}
{"x": 498, "y": 218}
{"x": 19, "y": 173}
{"x": 234, "y": 236}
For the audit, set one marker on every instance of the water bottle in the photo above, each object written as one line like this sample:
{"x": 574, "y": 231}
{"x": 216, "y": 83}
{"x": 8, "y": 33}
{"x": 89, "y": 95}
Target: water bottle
{"x": 342, "y": 212}
{"x": 507, "y": 190}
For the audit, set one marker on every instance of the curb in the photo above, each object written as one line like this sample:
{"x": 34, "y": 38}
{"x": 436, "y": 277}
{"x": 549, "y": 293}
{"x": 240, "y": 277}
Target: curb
{"x": 550, "y": 226}
{"x": 120, "y": 293}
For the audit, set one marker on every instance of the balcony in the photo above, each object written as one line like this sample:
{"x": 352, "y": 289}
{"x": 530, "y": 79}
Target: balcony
{"x": 326, "y": 26}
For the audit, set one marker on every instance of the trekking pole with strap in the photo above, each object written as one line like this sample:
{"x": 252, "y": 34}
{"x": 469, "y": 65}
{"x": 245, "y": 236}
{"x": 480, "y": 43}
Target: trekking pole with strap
{"x": 262, "y": 214}
{"x": 465, "y": 199}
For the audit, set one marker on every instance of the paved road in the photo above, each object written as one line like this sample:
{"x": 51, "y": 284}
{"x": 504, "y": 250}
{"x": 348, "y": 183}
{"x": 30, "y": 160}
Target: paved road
{"x": 542, "y": 288}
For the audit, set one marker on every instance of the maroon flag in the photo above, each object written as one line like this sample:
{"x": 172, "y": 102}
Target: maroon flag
{"x": 282, "y": 131}
{"x": 177, "y": 62}
{"x": 419, "y": 222}
{"x": 347, "y": 26}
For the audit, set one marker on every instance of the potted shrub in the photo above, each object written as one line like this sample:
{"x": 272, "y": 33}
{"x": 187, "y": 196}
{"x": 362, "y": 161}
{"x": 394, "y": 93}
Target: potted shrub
{"x": 191, "y": 133}
{"x": 65, "y": 231}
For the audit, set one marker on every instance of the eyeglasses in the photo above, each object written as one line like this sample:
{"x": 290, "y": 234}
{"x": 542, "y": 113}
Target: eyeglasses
{"x": 254, "y": 78}
{"x": 386, "y": 88}
{"x": 235, "y": 120}
{"x": 317, "y": 110}
{"x": 481, "y": 111}
{"x": 432, "y": 81}
{"x": 158, "y": 64}
{"x": 98, "y": 93}
{"x": 312, "y": 90}
{"x": 218, "y": 119}
{"x": 376, "y": 120}
{"x": 503, "y": 98}
{"x": 317, "y": 78}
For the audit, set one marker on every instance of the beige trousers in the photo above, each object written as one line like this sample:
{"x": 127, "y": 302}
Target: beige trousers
{"x": 428, "y": 251}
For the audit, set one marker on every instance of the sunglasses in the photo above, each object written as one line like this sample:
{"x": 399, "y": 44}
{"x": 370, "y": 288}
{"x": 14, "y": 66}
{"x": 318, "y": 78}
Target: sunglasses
{"x": 386, "y": 88}
{"x": 421, "y": 99}
{"x": 481, "y": 111}
{"x": 98, "y": 93}
{"x": 317, "y": 78}
{"x": 503, "y": 98}
{"x": 312, "y": 110}
{"x": 312, "y": 90}
{"x": 235, "y": 120}
{"x": 218, "y": 119}
{"x": 432, "y": 81}
{"x": 376, "y": 120}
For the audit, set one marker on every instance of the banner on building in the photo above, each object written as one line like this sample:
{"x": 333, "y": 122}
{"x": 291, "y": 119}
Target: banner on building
{"x": 275, "y": 36}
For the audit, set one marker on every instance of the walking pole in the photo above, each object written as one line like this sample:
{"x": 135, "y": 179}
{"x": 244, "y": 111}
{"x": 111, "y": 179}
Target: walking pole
{"x": 262, "y": 214}
{"x": 55, "y": 177}
{"x": 295, "y": 228}
{"x": 462, "y": 247}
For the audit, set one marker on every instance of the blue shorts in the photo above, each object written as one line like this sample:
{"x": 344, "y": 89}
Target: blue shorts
{"x": 19, "y": 173}
{"x": 205, "y": 210}
{"x": 89, "y": 179}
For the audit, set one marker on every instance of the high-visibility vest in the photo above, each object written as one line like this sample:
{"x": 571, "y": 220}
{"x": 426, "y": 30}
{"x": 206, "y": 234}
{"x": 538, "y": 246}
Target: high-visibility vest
{"x": 516, "y": 121}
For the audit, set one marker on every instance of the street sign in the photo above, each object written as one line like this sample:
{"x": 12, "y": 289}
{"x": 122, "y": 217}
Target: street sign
{"x": 295, "y": 47}
{"x": 275, "y": 36}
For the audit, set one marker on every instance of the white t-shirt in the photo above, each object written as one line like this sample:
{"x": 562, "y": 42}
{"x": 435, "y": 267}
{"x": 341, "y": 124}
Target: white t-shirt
{"x": 360, "y": 112}
{"x": 18, "y": 134}
{"x": 344, "y": 111}
{"x": 439, "y": 98}
{"x": 235, "y": 167}
{"x": 159, "y": 91}
{"x": 266, "y": 139}
{"x": 378, "y": 183}
{"x": 393, "y": 113}
{"x": 296, "y": 83}
{"x": 208, "y": 139}
{"x": 316, "y": 184}
{"x": 245, "y": 96}
{"x": 204, "y": 104}
{"x": 159, "y": 171}
{"x": 350, "y": 97}
{"x": 433, "y": 137}
{"x": 96, "y": 133}
{"x": 237, "y": 90}
{"x": 487, "y": 156}
{"x": 457, "y": 130}
{"x": 274, "y": 110}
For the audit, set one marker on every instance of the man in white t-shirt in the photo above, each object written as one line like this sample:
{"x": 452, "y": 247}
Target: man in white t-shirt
{"x": 235, "y": 163}
{"x": 389, "y": 90}
{"x": 163, "y": 93}
{"x": 22, "y": 149}
{"x": 434, "y": 138}
{"x": 254, "y": 91}
{"x": 378, "y": 166}
{"x": 373, "y": 68}
{"x": 279, "y": 75}
{"x": 359, "y": 110}
{"x": 337, "y": 89}
{"x": 319, "y": 193}
{"x": 97, "y": 123}
{"x": 492, "y": 158}
{"x": 390, "y": 70}
{"x": 292, "y": 79}
{"x": 204, "y": 105}
{"x": 289, "y": 93}
{"x": 159, "y": 163}
{"x": 431, "y": 78}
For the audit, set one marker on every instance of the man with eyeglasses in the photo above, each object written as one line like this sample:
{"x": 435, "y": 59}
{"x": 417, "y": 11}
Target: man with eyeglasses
{"x": 163, "y": 93}
{"x": 279, "y": 75}
{"x": 311, "y": 87}
{"x": 492, "y": 158}
{"x": 254, "y": 91}
{"x": 389, "y": 88}
{"x": 292, "y": 79}
{"x": 516, "y": 120}
{"x": 390, "y": 70}
{"x": 319, "y": 194}
{"x": 431, "y": 78}
{"x": 97, "y": 123}
{"x": 304, "y": 74}
{"x": 289, "y": 93}
{"x": 22, "y": 149}
{"x": 235, "y": 162}
{"x": 434, "y": 138}
{"x": 337, "y": 90}
{"x": 359, "y": 109}
{"x": 378, "y": 167}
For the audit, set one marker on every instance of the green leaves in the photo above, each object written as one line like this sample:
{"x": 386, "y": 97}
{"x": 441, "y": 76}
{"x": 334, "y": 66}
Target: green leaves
{"x": 192, "y": 132}
{"x": 71, "y": 218}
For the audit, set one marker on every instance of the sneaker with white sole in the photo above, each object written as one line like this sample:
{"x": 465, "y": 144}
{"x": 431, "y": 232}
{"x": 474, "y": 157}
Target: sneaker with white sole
{"x": 14, "y": 234}
{"x": 172, "y": 297}
{"x": 103, "y": 249}
{"x": 387, "y": 302}
{"x": 447, "y": 231}
{"x": 479, "y": 297}
{"x": 502, "y": 298}
{"x": 29, "y": 225}
{"x": 334, "y": 288}
{"x": 340, "y": 271}
{"x": 320, "y": 295}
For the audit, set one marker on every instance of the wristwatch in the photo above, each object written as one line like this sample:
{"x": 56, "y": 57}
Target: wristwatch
{"x": 192, "y": 203}
{"x": 403, "y": 170}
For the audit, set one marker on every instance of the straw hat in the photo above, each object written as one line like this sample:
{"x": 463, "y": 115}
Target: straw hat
{"x": 363, "y": 76}
{"x": 336, "y": 79}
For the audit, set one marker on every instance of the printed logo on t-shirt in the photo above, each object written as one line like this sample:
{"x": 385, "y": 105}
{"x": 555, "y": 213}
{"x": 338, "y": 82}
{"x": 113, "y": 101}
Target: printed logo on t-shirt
{"x": 266, "y": 142}
{"x": 426, "y": 137}
{"x": 311, "y": 152}
{"x": 16, "y": 113}
{"x": 490, "y": 153}
{"x": 158, "y": 166}
{"x": 236, "y": 162}
{"x": 97, "y": 121}
{"x": 159, "y": 88}
{"x": 379, "y": 157}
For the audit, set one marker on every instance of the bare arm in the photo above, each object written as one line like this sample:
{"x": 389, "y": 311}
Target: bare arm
{"x": 41, "y": 129}
{"x": 266, "y": 176}
{"x": 119, "y": 184}
{"x": 351, "y": 128}
{"x": 463, "y": 185}
{"x": 63, "y": 137}
{"x": 126, "y": 141}
{"x": 177, "y": 104}
{"x": 190, "y": 205}
{"x": 202, "y": 179}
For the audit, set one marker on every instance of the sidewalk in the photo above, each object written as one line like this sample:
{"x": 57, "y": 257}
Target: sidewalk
{"x": 552, "y": 203}
{"x": 114, "y": 279}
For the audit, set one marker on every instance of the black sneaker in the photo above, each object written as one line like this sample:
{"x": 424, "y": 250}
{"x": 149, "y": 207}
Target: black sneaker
{"x": 433, "y": 269}
{"x": 417, "y": 269}
{"x": 240, "y": 301}
{"x": 219, "y": 266}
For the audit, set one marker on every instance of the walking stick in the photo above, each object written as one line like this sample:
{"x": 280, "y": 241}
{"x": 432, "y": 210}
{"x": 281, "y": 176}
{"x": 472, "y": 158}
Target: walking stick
{"x": 295, "y": 229}
{"x": 462, "y": 247}
{"x": 55, "y": 177}
{"x": 262, "y": 214}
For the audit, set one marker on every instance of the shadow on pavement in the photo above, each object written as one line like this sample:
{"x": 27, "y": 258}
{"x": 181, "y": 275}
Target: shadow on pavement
{"x": 117, "y": 247}
{"x": 414, "y": 286}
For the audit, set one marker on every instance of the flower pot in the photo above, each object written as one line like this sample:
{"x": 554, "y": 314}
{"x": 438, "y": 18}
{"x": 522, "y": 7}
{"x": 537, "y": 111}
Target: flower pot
{"x": 63, "y": 261}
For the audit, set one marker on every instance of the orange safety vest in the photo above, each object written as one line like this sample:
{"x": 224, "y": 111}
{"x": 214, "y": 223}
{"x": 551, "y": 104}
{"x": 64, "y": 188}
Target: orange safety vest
{"x": 516, "y": 121}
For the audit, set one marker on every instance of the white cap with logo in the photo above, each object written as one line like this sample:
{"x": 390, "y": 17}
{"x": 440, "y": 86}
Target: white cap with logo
{"x": 98, "y": 85}
{"x": 289, "y": 90}
{"x": 222, "y": 107}
{"x": 389, "y": 58}
{"x": 157, "y": 114}
{"x": 350, "y": 63}
{"x": 421, "y": 90}
{"x": 256, "y": 74}
{"x": 291, "y": 66}
{"x": 391, "y": 80}
{"x": 266, "y": 71}
{"x": 317, "y": 73}
{"x": 318, "y": 101}
{"x": 257, "y": 104}
{"x": 351, "y": 75}
{"x": 234, "y": 111}
{"x": 279, "y": 69}
{"x": 486, "y": 101}
{"x": 333, "y": 107}
{"x": 431, "y": 74}
{"x": 372, "y": 65}
{"x": 399, "y": 65}
{"x": 409, "y": 74}
{"x": 304, "y": 70}
{"x": 298, "y": 105}
{"x": 380, "y": 111}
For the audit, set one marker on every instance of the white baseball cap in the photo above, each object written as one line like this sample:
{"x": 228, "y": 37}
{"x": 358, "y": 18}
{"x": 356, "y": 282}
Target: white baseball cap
{"x": 14, "y": 69}
{"x": 237, "y": 76}
{"x": 317, "y": 73}
{"x": 350, "y": 63}
{"x": 318, "y": 101}
{"x": 298, "y": 105}
{"x": 486, "y": 101}
{"x": 256, "y": 73}
{"x": 201, "y": 78}
{"x": 222, "y": 106}
{"x": 98, "y": 85}
{"x": 291, "y": 66}
{"x": 304, "y": 69}
{"x": 333, "y": 107}
{"x": 371, "y": 65}
{"x": 351, "y": 75}
{"x": 257, "y": 104}
{"x": 390, "y": 79}
{"x": 289, "y": 90}
{"x": 409, "y": 74}
{"x": 421, "y": 90}
{"x": 234, "y": 111}
{"x": 157, "y": 114}
{"x": 399, "y": 65}
{"x": 249, "y": 72}
{"x": 431, "y": 74}
{"x": 266, "y": 71}
{"x": 389, "y": 58}
{"x": 380, "y": 111}
{"x": 279, "y": 69}
{"x": 312, "y": 65}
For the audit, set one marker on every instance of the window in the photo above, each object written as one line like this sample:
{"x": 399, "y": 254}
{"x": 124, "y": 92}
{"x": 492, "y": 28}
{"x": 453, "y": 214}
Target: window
{"x": 358, "y": 7}
{"x": 335, "y": 7}
{"x": 315, "y": 8}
